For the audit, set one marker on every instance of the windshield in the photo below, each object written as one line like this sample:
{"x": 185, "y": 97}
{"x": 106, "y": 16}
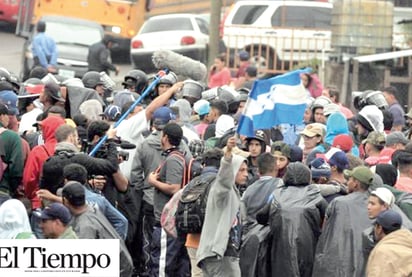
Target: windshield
{"x": 73, "y": 34}
{"x": 248, "y": 14}
{"x": 167, "y": 24}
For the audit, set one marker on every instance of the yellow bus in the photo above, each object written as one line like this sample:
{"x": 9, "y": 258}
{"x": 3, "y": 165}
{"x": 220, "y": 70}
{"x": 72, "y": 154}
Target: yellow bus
{"x": 119, "y": 18}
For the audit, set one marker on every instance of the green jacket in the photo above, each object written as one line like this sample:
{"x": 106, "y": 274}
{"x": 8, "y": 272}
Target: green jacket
{"x": 13, "y": 157}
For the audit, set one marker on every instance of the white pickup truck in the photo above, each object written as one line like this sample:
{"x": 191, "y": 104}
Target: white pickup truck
{"x": 278, "y": 34}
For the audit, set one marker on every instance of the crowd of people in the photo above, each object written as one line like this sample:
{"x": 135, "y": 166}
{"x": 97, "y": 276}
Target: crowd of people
{"x": 331, "y": 196}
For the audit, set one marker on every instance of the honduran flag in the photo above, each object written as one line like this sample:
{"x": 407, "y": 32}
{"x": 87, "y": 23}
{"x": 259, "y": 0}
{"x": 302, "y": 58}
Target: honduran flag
{"x": 281, "y": 99}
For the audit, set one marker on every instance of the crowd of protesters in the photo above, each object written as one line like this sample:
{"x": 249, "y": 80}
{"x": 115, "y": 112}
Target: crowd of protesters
{"x": 331, "y": 196}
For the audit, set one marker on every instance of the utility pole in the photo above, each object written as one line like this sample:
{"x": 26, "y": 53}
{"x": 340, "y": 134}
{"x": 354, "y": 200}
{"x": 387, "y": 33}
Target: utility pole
{"x": 214, "y": 38}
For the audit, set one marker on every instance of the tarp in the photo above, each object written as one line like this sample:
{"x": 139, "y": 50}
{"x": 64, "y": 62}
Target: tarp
{"x": 294, "y": 244}
{"x": 76, "y": 96}
{"x": 339, "y": 251}
{"x": 254, "y": 258}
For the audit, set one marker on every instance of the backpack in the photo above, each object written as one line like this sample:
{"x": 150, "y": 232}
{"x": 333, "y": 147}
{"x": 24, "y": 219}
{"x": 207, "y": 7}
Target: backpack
{"x": 191, "y": 209}
{"x": 192, "y": 167}
{"x": 3, "y": 165}
{"x": 52, "y": 173}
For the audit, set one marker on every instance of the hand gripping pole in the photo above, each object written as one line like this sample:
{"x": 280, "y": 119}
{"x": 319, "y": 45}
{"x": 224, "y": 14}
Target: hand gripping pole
{"x": 156, "y": 80}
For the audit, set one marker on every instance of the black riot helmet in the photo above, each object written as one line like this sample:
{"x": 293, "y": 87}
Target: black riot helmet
{"x": 91, "y": 79}
{"x": 135, "y": 80}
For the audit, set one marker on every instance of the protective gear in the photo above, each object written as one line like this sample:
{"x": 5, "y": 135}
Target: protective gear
{"x": 91, "y": 79}
{"x": 370, "y": 97}
{"x": 4, "y": 74}
{"x": 231, "y": 97}
{"x": 320, "y": 102}
{"x": 135, "y": 78}
{"x": 169, "y": 79}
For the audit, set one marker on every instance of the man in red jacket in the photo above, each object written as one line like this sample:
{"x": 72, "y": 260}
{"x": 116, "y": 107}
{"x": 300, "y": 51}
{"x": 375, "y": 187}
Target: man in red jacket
{"x": 37, "y": 156}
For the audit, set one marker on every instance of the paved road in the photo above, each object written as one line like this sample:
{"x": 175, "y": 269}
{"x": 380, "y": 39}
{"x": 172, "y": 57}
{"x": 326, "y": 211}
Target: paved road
{"x": 11, "y": 48}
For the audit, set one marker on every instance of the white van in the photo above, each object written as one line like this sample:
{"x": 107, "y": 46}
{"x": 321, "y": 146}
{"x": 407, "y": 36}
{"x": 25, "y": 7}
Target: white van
{"x": 279, "y": 34}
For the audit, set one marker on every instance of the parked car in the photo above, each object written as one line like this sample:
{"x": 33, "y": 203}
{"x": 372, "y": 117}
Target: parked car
{"x": 9, "y": 10}
{"x": 279, "y": 32}
{"x": 186, "y": 34}
{"x": 73, "y": 37}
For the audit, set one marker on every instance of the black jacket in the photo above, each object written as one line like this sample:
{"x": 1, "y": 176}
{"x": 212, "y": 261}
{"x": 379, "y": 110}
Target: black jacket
{"x": 52, "y": 174}
{"x": 99, "y": 58}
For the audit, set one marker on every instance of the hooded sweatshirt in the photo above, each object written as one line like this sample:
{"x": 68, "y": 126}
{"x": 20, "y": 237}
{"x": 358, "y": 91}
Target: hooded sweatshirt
{"x": 147, "y": 159}
{"x": 38, "y": 155}
{"x": 14, "y": 222}
{"x": 222, "y": 209}
{"x": 336, "y": 124}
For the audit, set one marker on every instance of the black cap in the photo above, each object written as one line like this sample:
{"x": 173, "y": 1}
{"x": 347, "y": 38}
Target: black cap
{"x": 4, "y": 110}
{"x": 53, "y": 90}
{"x": 74, "y": 192}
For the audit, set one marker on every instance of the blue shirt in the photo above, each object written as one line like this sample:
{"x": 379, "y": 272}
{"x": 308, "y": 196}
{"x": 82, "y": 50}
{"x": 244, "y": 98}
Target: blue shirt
{"x": 44, "y": 47}
{"x": 118, "y": 220}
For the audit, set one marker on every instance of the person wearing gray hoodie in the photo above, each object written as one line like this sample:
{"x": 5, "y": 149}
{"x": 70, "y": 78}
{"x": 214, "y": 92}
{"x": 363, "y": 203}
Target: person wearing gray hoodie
{"x": 219, "y": 248}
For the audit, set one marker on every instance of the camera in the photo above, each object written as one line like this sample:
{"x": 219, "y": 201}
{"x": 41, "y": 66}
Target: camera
{"x": 124, "y": 155}
{"x": 102, "y": 151}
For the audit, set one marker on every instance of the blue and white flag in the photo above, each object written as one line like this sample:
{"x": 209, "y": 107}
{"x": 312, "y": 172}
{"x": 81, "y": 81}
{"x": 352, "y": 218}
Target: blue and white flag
{"x": 281, "y": 99}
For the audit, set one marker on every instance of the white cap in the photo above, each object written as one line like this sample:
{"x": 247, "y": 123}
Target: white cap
{"x": 385, "y": 195}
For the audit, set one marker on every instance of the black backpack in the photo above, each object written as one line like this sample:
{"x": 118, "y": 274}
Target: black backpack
{"x": 191, "y": 209}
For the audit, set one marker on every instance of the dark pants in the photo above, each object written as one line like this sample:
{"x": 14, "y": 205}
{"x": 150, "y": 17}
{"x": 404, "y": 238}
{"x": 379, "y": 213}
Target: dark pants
{"x": 168, "y": 257}
{"x": 146, "y": 232}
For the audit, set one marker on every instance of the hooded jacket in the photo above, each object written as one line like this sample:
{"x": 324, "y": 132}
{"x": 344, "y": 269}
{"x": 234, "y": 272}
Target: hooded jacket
{"x": 14, "y": 221}
{"x": 339, "y": 250}
{"x": 222, "y": 207}
{"x": 392, "y": 256}
{"x": 148, "y": 157}
{"x": 296, "y": 232}
{"x": 13, "y": 157}
{"x": 336, "y": 124}
{"x": 37, "y": 156}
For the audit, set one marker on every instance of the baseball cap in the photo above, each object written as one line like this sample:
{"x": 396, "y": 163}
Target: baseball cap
{"x": 244, "y": 55}
{"x": 201, "y": 107}
{"x": 258, "y": 135}
{"x": 385, "y": 195}
{"x": 162, "y": 116}
{"x": 343, "y": 141}
{"x": 9, "y": 98}
{"x": 360, "y": 173}
{"x": 112, "y": 112}
{"x": 396, "y": 137}
{"x": 74, "y": 192}
{"x": 53, "y": 90}
{"x": 340, "y": 160}
{"x": 56, "y": 211}
{"x": 314, "y": 129}
{"x": 4, "y": 109}
{"x": 319, "y": 168}
{"x": 389, "y": 220}
{"x": 375, "y": 138}
{"x": 283, "y": 148}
